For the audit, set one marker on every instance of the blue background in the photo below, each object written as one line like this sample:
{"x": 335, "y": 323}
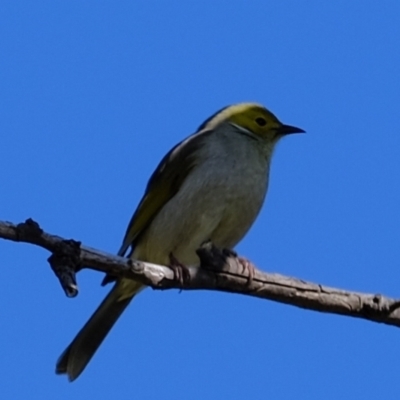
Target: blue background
{"x": 94, "y": 93}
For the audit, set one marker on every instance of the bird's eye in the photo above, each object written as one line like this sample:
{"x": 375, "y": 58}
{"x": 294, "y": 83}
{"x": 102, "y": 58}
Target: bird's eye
{"x": 261, "y": 121}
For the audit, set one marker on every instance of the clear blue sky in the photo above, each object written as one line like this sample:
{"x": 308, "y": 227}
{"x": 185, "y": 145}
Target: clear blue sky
{"x": 92, "y": 96}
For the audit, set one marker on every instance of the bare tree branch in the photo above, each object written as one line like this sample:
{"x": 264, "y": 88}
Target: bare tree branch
{"x": 219, "y": 270}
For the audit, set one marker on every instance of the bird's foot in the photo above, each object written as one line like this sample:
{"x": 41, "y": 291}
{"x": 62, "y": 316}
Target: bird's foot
{"x": 213, "y": 258}
{"x": 244, "y": 263}
{"x": 181, "y": 271}
{"x": 247, "y": 265}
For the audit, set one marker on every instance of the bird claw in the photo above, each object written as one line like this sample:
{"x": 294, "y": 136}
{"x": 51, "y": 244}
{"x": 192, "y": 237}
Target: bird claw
{"x": 212, "y": 255}
{"x": 181, "y": 271}
{"x": 244, "y": 263}
{"x": 247, "y": 265}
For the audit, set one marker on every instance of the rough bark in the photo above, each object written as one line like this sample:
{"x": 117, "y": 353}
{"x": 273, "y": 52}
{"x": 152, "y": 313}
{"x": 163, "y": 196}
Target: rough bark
{"x": 220, "y": 270}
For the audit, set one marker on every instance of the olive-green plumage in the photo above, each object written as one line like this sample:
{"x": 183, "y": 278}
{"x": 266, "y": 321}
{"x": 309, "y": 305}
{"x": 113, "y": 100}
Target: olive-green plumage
{"x": 210, "y": 186}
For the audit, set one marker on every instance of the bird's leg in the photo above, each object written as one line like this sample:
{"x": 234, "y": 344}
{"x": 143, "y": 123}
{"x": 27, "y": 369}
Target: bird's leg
{"x": 181, "y": 271}
{"x": 244, "y": 262}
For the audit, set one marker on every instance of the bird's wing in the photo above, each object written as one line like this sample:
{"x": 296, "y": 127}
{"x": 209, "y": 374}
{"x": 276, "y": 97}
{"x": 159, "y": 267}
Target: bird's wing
{"x": 163, "y": 185}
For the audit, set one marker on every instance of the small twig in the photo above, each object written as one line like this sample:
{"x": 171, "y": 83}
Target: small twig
{"x": 65, "y": 262}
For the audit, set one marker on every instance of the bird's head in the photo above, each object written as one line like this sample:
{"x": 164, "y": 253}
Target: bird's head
{"x": 252, "y": 119}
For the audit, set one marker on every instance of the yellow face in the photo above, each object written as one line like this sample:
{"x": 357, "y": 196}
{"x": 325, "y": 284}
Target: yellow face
{"x": 254, "y": 118}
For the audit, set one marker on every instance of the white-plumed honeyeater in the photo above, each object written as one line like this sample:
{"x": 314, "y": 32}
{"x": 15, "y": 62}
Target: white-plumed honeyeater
{"x": 210, "y": 186}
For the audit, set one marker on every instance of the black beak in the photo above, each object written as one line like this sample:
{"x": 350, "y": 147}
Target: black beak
{"x": 287, "y": 129}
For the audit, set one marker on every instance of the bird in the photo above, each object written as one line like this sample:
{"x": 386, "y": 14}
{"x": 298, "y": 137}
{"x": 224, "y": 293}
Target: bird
{"x": 209, "y": 187}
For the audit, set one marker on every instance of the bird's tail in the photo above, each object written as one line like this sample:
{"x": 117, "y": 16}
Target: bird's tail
{"x": 78, "y": 354}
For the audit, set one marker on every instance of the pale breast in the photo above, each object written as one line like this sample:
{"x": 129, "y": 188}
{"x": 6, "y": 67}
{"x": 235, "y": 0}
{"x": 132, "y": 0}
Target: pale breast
{"x": 218, "y": 201}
